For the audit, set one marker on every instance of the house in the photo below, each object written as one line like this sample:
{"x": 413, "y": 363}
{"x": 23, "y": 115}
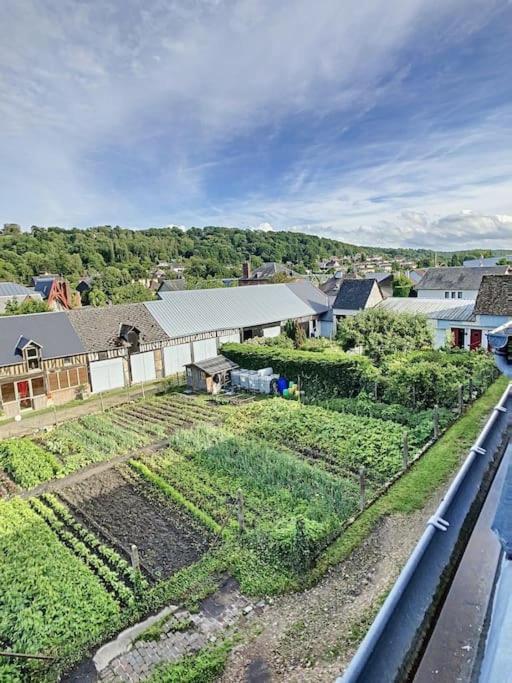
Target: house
{"x": 354, "y": 296}
{"x": 84, "y": 285}
{"x": 210, "y": 375}
{"x": 12, "y": 291}
{"x": 176, "y": 285}
{"x": 456, "y": 282}
{"x": 42, "y": 362}
{"x": 415, "y": 274}
{"x": 385, "y": 280}
{"x": 331, "y": 287}
{"x": 123, "y": 344}
{"x": 199, "y": 321}
{"x": 56, "y": 291}
{"x": 265, "y": 273}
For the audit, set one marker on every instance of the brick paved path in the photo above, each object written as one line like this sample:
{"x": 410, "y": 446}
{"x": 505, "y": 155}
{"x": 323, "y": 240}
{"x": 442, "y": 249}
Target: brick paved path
{"x": 217, "y": 613}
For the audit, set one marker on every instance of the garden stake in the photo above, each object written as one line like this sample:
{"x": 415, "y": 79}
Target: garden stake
{"x": 241, "y": 520}
{"x": 436, "y": 422}
{"x": 134, "y": 556}
{"x": 461, "y": 399}
{"x": 405, "y": 451}
{"x": 362, "y": 487}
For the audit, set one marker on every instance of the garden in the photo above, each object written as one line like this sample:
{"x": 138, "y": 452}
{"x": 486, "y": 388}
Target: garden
{"x": 204, "y": 489}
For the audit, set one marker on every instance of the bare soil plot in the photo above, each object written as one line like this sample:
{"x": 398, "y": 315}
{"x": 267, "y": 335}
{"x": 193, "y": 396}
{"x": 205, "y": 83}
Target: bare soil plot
{"x": 167, "y": 538}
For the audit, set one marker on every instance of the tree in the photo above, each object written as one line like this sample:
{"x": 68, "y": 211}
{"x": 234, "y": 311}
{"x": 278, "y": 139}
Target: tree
{"x": 14, "y": 307}
{"x": 381, "y": 333}
{"x": 134, "y": 292}
{"x": 280, "y": 278}
{"x": 402, "y": 285}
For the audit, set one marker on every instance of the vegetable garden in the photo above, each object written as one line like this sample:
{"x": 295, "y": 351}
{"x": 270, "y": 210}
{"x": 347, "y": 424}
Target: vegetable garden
{"x": 257, "y": 491}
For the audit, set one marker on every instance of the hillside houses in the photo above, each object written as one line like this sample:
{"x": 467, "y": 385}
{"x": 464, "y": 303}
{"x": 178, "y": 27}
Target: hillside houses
{"x": 455, "y": 282}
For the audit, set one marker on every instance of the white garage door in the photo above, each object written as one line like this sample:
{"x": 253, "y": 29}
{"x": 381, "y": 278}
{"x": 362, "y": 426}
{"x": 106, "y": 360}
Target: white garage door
{"x": 176, "y": 357}
{"x": 107, "y": 374}
{"x": 143, "y": 367}
{"x": 206, "y": 348}
{"x": 230, "y": 338}
{"x": 272, "y": 331}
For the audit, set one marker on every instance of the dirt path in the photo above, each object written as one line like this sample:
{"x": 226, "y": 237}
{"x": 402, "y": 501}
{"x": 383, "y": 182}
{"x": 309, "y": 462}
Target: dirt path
{"x": 311, "y": 636}
{"x": 90, "y": 470}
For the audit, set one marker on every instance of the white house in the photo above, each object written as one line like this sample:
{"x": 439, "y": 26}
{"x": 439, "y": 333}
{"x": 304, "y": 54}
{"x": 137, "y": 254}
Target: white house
{"x": 455, "y": 282}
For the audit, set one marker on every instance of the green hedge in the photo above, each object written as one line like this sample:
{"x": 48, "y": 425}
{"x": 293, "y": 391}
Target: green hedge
{"x": 336, "y": 374}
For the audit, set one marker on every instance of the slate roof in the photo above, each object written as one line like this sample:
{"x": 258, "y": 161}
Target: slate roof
{"x": 194, "y": 311}
{"x": 353, "y": 294}
{"x": 490, "y": 261}
{"x": 332, "y": 286}
{"x": 495, "y": 296}
{"x": 52, "y": 331}
{"x": 98, "y": 328}
{"x": 457, "y": 277}
{"x": 14, "y": 289}
{"x": 43, "y": 285}
{"x": 214, "y": 365}
{"x": 172, "y": 285}
{"x": 268, "y": 270}
{"x": 380, "y": 277}
{"x": 434, "y": 309}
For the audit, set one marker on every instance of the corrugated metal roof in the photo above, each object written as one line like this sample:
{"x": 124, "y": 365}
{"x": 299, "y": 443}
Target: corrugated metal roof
{"x": 205, "y": 310}
{"x": 435, "y": 309}
{"x": 213, "y": 365}
{"x": 52, "y": 331}
{"x": 13, "y": 289}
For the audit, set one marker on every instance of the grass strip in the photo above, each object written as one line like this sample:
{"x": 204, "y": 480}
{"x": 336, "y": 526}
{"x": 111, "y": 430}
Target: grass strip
{"x": 203, "y": 667}
{"x": 412, "y": 491}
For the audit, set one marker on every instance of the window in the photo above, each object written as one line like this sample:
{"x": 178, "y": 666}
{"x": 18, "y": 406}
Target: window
{"x": 32, "y": 357}
{"x": 82, "y": 376}
{"x": 63, "y": 379}
{"x": 53, "y": 381}
{"x": 37, "y": 386}
{"x": 453, "y": 295}
{"x": 459, "y": 295}
{"x": 447, "y": 295}
{"x": 8, "y": 393}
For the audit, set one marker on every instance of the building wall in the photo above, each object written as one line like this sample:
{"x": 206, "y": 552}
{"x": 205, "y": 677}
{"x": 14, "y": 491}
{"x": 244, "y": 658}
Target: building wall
{"x": 440, "y": 294}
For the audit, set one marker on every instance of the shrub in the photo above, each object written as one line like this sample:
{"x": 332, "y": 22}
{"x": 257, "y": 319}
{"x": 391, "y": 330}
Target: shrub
{"x": 337, "y": 374}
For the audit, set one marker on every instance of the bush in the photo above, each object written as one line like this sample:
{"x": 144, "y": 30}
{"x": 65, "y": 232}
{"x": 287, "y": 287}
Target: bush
{"x": 282, "y": 340}
{"x": 381, "y": 333}
{"x": 336, "y": 374}
{"x": 27, "y": 463}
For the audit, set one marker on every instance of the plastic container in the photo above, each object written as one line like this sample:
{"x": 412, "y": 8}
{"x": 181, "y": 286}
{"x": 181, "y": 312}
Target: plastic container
{"x": 265, "y": 371}
{"x": 235, "y": 378}
{"x": 286, "y": 393}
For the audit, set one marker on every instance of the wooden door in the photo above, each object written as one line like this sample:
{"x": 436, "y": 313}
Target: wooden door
{"x": 475, "y": 339}
{"x": 24, "y": 394}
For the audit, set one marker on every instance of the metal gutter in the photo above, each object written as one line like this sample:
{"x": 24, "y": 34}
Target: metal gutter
{"x": 387, "y": 651}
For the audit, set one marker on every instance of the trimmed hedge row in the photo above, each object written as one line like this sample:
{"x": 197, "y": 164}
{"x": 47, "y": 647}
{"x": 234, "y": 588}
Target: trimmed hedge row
{"x": 336, "y": 374}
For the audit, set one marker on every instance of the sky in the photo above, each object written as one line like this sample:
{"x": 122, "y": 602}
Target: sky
{"x": 377, "y": 122}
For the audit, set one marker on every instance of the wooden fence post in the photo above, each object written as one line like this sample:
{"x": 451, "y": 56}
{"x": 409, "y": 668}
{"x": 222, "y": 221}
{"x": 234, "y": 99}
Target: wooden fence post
{"x": 362, "y": 488}
{"x": 405, "y": 450}
{"x": 470, "y": 390}
{"x": 436, "y": 422}
{"x": 241, "y": 516}
{"x": 101, "y": 401}
{"x": 134, "y": 556}
{"x": 461, "y": 399}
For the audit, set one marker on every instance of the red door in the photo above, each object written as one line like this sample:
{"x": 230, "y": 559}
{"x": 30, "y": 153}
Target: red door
{"x": 475, "y": 339}
{"x": 24, "y": 394}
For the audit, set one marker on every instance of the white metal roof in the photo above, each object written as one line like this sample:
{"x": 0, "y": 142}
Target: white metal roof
{"x": 204, "y": 310}
{"x": 435, "y": 309}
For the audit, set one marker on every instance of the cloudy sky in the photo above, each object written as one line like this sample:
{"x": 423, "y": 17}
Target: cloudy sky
{"x": 382, "y": 122}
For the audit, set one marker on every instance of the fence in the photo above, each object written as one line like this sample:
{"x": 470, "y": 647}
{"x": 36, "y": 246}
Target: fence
{"x": 388, "y": 651}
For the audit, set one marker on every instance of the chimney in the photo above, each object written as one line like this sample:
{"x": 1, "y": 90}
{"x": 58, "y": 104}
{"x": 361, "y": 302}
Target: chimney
{"x": 246, "y": 270}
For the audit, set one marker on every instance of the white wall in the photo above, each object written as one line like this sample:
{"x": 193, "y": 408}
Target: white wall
{"x": 176, "y": 357}
{"x": 439, "y": 293}
{"x": 205, "y": 348}
{"x": 272, "y": 331}
{"x": 230, "y": 338}
{"x": 143, "y": 367}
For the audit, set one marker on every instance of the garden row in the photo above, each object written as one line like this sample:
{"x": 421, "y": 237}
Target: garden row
{"x": 95, "y": 438}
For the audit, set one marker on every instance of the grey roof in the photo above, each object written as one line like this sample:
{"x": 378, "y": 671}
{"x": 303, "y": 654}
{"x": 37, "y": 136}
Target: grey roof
{"x": 99, "y": 328}
{"x": 332, "y": 286}
{"x": 172, "y": 285}
{"x": 213, "y": 365}
{"x": 495, "y": 296}
{"x": 353, "y": 294}
{"x": 52, "y": 331}
{"x": 310, "y": 294}
{"x": 268, "y": 270}
{"x": 434, "y": 309}
{"x": 13, "y": 289}
{"x": 457, "y": 277}
{"x": 205, "y": 310}
{"x": 490, "y": 261}
{"x": 380, "y": 277}
{"x": 43, "y": 285}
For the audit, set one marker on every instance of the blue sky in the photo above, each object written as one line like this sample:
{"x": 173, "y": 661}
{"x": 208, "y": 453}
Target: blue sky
{"x": 376, "y": 122}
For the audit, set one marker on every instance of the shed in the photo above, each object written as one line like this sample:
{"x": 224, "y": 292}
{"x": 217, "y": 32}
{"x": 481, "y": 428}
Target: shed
{"x": 210, "y": 374}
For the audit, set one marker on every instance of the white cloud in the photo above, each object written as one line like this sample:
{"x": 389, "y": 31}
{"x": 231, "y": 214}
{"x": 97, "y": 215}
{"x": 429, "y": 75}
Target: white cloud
{"x": 265, "y": 227}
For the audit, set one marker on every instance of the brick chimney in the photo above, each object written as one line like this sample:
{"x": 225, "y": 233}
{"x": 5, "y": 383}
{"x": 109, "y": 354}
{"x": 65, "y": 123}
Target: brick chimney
{"x": 246, "y": 270}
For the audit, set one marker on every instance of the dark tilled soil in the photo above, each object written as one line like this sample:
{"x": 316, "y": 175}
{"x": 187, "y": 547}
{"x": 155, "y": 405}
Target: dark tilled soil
{"x": 167, "y": 538}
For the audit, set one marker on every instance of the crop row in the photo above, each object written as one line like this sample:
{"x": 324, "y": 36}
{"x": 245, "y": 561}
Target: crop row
{"x": 352, "y": 441}
{"x": 51, "y": 601}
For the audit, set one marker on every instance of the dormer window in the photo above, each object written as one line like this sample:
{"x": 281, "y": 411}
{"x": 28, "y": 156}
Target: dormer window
{"x": 129, "y": 336}
{"x": 32, "y": 356}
